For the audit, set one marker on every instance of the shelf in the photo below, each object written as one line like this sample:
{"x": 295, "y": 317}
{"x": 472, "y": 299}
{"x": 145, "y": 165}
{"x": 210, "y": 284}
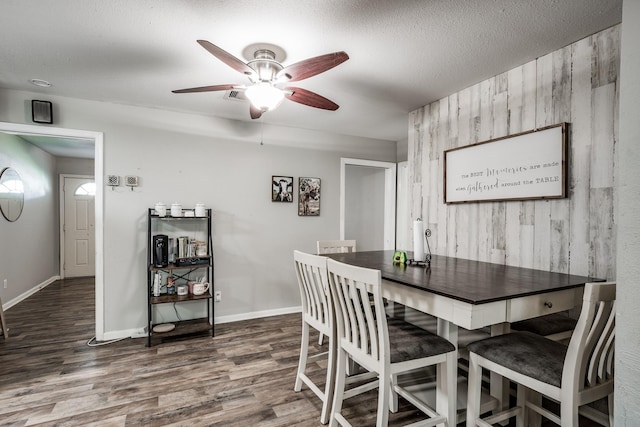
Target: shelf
{"x": 183, "y": 267}
{"x": 178, "y": 218}
{"x": 168, "y": 298}
{"x": 168, "y": 216}
{"x": 198, "y": 228}
{"x": 185, "y": 329}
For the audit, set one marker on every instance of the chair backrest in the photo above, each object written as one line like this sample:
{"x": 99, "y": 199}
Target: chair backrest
{"x": 317, "y": 307}
{"x": 589, "y": 360}
{"x": 335, "y": 246}
{"x": 361, "y": 326}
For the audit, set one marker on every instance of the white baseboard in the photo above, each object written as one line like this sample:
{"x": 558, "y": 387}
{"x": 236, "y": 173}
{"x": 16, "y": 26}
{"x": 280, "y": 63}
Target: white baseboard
{"x": 142, "y": 333}
{"x": 23, "y": 296}
{"x": 125, "y": 333}
{"x": 257, "y": 314}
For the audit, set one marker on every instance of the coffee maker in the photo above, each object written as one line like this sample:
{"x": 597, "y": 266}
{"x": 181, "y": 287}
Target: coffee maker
{"x": 160, "y": 250}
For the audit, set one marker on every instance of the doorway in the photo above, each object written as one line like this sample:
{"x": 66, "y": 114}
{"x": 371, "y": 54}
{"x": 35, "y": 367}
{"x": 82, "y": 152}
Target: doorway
{"x": 77, "y": 226}
{"x": 98, "y": 139}
{"x": 368, "y": 203}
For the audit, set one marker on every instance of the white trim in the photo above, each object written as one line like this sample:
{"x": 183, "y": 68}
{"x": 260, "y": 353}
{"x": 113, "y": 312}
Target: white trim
{"x": 98, "y": 138}
{"x": 389, "y": 197}
{"x": 23, "y": 296}
{"x": 257, "y": 314}
{"x": 62, "y": 205}
{"x": 142, "y": 333}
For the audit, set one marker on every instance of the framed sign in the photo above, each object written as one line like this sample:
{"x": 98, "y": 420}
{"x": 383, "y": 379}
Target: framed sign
{"x": 528, "y": 165}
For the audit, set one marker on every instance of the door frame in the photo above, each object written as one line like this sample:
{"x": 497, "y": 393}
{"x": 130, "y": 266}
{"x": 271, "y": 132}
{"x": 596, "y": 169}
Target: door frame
{"x": 98, "y": 138}
{"x": 61, "y": 195}
{"x": 389, "y": 197}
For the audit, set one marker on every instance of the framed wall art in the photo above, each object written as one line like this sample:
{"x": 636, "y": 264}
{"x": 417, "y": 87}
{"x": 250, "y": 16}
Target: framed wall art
{"x": 308, "y": 196}
{"x": 525, "y": 166}
{"x": 281, "y": 188}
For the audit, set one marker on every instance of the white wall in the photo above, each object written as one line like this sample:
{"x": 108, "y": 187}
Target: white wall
{"x": 577, "y": 84}
{"x": 29, "y": 246}
{"x": 627, "y": 389}
{"x": 74, "y": 166}
{"x": 196, "y": 159}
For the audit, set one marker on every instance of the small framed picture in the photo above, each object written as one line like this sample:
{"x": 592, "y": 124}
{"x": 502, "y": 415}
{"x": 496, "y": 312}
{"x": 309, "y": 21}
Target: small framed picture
{"x": 281, "y": 188}
{"x": 309, "y": 196}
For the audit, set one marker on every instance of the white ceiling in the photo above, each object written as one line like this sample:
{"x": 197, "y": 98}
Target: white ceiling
{"x": 404, "y": 54}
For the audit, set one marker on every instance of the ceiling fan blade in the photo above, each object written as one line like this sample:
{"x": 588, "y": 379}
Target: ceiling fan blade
{"x": 312, "y": 66}
{"x": 312, "y": 99}
{"x": 227, "y": 58}
{"x": 254, "y": 112}
{"x": 205, "y": 89}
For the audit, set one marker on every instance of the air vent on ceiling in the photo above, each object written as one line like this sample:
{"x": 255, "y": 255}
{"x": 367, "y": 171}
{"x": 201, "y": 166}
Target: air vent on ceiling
{"x": 235, "y": 95}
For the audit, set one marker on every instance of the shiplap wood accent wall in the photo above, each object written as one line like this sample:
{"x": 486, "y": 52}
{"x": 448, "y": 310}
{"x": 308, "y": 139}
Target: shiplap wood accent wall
{"x": 577, "y": 84}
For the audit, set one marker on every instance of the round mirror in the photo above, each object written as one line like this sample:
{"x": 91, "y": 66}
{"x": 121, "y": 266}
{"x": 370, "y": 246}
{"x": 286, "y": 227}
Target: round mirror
{"x": 11, "y": 194}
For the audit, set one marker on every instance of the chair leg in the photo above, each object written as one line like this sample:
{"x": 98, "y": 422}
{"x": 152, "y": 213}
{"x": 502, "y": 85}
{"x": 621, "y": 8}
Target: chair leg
{"x": 330, "y": 383}
{"x": 302, "y": 363}
{"x": 533, "y": 418}
{"x": 393, "y": 396}
{"x": 569, "y": 412}
{"x": 3, "y": 322}
{"x": 338, "y": 395}
{"x": 610, "y": 407}
{"x": 384, "y": 390}
{"x": 522, "y": 396}
{"x": 473, "y": 396}
{"x": 447, "y": 386}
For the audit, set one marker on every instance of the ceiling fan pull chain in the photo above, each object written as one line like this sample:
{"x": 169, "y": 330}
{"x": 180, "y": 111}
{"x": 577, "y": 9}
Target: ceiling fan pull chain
{"x": 262, "y": 132}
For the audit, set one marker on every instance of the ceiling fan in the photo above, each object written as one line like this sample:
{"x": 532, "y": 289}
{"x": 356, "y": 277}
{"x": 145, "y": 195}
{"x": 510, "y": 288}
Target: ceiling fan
{"x": 267, "y": 76}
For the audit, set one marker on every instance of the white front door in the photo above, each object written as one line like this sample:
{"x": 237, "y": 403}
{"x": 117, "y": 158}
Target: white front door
{"x": 79, "y": 227}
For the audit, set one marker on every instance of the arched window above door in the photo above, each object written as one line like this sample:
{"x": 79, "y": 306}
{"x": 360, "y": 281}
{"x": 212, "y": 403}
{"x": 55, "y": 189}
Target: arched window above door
{"x": 87, "y": 189}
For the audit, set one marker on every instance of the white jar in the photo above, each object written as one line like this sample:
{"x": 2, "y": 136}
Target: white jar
{"x": 176, "y": 209}
{"x": 160, "y": 209}
{"x": 200, "y": 210}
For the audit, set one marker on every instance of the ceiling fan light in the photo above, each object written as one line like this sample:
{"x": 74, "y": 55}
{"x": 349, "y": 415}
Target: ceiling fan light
{"x": 264, "y": 96}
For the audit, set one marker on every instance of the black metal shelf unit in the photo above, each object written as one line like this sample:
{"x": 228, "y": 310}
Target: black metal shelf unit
{"x": 181, "y": 269}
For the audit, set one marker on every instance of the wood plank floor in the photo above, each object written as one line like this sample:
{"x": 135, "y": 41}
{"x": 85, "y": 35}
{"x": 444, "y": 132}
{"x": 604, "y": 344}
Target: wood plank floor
{"x": 244, "y": 376}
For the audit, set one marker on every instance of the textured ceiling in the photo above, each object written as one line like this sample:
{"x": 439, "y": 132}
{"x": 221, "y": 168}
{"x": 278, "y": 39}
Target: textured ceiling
{"x": 403, "y": 54}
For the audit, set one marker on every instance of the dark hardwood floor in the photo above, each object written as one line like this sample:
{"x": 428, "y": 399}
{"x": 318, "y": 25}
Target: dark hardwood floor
{"x": 244, "y": 376}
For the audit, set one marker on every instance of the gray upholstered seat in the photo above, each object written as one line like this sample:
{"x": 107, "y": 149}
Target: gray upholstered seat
{"x": 548, "y": 326}
{"x": 525, "y": 352}
{"x": 408, "y": 342}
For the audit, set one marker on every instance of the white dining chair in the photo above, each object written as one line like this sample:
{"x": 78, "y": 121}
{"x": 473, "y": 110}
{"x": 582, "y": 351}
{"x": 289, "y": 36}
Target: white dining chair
{"x": 384, "y": 347}
{"x": 317, "y": 313}
{"x": 575, "y": 375}
{"x": 324, "y": 247}
{"x": 335, "y": 246}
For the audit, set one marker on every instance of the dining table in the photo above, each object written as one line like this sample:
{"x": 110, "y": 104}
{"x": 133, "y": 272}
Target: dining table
{"x": 463, "y": 293}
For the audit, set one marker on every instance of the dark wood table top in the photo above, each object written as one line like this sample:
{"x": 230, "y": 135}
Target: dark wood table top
{"x": 469, "y": 281}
